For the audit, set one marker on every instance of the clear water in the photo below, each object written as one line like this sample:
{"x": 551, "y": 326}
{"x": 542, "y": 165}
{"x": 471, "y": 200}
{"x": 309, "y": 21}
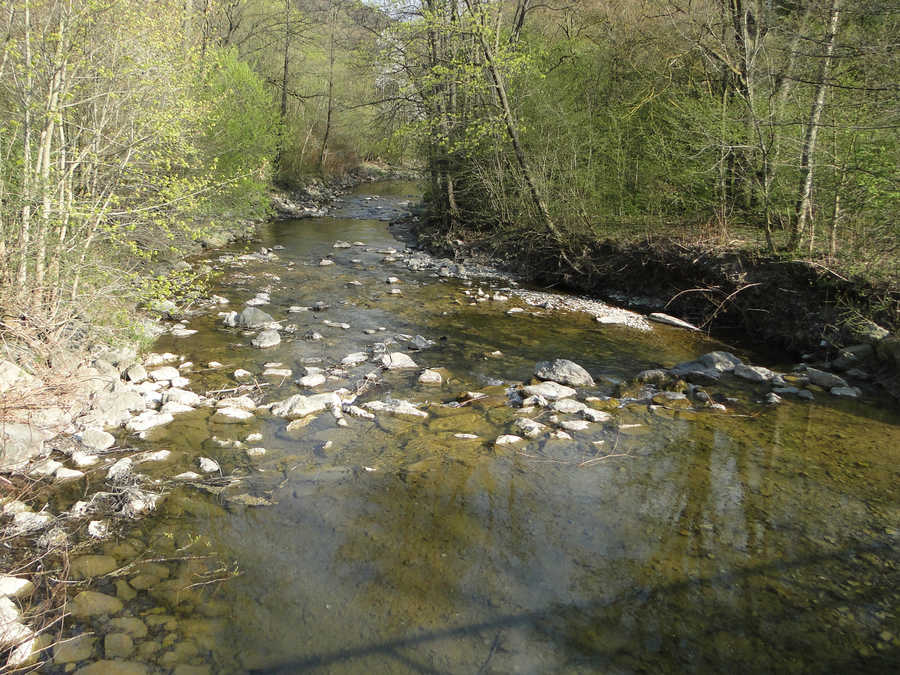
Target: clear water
{"x": 762, "y": 540}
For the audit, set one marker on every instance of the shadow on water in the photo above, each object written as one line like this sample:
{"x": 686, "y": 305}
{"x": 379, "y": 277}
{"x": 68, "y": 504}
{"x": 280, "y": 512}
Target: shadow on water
{"x": 706, "y": 645}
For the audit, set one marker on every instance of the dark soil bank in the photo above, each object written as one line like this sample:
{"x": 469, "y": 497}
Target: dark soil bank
{"x": 794, "y": 306}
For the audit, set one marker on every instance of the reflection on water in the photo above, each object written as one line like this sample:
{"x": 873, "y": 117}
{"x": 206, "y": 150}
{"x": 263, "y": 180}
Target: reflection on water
{"x": 762, "y": 541}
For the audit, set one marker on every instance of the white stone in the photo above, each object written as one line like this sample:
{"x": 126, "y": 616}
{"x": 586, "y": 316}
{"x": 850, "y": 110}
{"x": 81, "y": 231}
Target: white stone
{"x": 301, "y": 406}
{"x": 395, "y": 407}
{"x": 120, "y": 470}
{"x": 575, "y": 425}
{"x": 561, "y": 436}
{"x": 188, "y": 475}
{"x": 529, "y": 428}
{"x": 179, "y": 382}
{"x": 465, "y": 436}
{"x": 242, "y": 402}
{"x": 254, "y": 437}
{"x": 64, "y": 474}
{"x": 97, "y": 439}
{"x": 552, "y": 391}
{"x": 277, "y": 372}
{"x": 231, "y": 415}
{"x": 213, "y": 365}
{"x": 148, "y": 420}
{"x": 753, "y": 373}
{"x": 153, "y": 456}
{"x": 173, "y": 408}
{"x": 14, "y": 587}
{"x": 241, "y": 374}
{"x": 356, "y": 411}
{"x": 266, "y": 339}
{"x": 429, "y": 376}
{"x": 26, "y": 521}
{"x": 208, "y": 465}
{"x": 324, "y": 262}
{"x": 508, "y": 439}
{"x": 595, "y": 415}
{"x": 311, "y": 381}
{"x": 98, "y": 529}
{"x": 163, "y": 374}
{"x": 183, "y": 397}
{"x": 354, "y": 359}
{"x": 256, "y": 452}
{"x": 46, "y": 467}
{"x": 397, "y": 361}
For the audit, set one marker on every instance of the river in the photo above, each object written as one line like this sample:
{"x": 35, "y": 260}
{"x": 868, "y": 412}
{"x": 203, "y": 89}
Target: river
{"x": 759, "y": 539}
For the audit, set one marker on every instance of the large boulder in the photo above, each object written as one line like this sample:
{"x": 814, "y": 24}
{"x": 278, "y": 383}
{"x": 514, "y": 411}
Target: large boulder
{"x": 397, "y": 361}
{"x": 564, "y": 372}
{"x": 252, "y": 317}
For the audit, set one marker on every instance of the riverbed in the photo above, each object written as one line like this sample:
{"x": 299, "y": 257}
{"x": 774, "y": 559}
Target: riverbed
{"x": 758, "y": 538}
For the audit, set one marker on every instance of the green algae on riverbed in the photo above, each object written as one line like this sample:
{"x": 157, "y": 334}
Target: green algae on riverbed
{"x": 761, "y": 539}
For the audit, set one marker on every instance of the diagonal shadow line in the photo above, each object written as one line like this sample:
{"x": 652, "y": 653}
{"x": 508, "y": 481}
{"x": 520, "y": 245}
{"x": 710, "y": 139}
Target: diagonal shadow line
{"x": 390, "y": 647}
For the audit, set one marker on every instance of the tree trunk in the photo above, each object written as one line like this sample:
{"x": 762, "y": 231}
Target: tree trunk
{"x": 324, "y": 151}
{"x": 802, "y": 216}
{"x": 510, "y": 123}
{"x": 25, "y": 224}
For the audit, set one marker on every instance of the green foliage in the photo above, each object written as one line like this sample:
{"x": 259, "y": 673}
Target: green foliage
{"x": 241, "y": 132}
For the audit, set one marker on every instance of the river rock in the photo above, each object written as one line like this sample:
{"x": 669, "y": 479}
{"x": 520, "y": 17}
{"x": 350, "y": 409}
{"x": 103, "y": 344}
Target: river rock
{"x": 118, "y": 645}
{"x": 575, "y": 425}
{"x": 120, "y": 471}
{"x": 46, "y": 467}
{"x": 15, "y": 587}
{"x": 208, "y": 465}
{"x": 97, "y": 439}
{"x": 182, "y": 396}
{"x": 529, "y": 428}
{"x": 64, "y": 474}
{"x": 87, "y": 566}
{"x": 74, "y": 649}
{"x": 753, "y": 373}
{"x": 430, "y": 377}
{"x": 147, "y": 420}
{"x": 130, "y": 625}
{"x": 92, "y": 603}
{"x": 356, "y": 411}
{"x": 136, "y": 373}
{"x": 231, "y": 416}
{"x": 593, "y": 415}
{"x": 395, "y": 407}
{"x": 173, "y": 408}
{"x": 659, "y": 317}
{"x": 508, "y": 439}
{"x": 20, "y": 443}
{"x": 241, "y": 402}
{"x": 563, "y": 371}
{"x": 266, "y": 339}
{"x": 26, "y": 522}
{"x": 824, "y": 379}
{"x": 12, "y": 375}
{"x": 310, "y": 381}
{"x": 98, "y": 529}
{"x": 166, "y": 373}
{"x": 354, "y": 359}
{"x": 568, "y": 406}
{"x": 845, "y": 392}
{"x": 251, "y": 317}
{"x": 300, "y": 406}
{"x": 397, "y": 361}
{"x": 552, "y": 391}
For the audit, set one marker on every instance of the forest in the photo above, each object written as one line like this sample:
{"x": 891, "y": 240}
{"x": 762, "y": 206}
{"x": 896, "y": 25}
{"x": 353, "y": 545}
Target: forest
{"x": 129, "y": 129}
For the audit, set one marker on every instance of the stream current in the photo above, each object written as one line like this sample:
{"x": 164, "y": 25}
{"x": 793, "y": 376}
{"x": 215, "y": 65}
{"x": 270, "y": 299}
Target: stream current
{"x": 761, "y": 539}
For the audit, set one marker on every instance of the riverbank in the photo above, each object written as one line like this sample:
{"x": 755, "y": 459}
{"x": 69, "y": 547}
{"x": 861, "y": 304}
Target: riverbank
{"x": 801, "y": 308}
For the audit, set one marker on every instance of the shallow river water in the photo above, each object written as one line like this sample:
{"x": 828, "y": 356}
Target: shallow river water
{"x": 760, "y": 539}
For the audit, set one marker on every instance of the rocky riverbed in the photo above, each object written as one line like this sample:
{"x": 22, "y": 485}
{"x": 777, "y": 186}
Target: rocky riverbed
{"x": 446, "y": 457}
